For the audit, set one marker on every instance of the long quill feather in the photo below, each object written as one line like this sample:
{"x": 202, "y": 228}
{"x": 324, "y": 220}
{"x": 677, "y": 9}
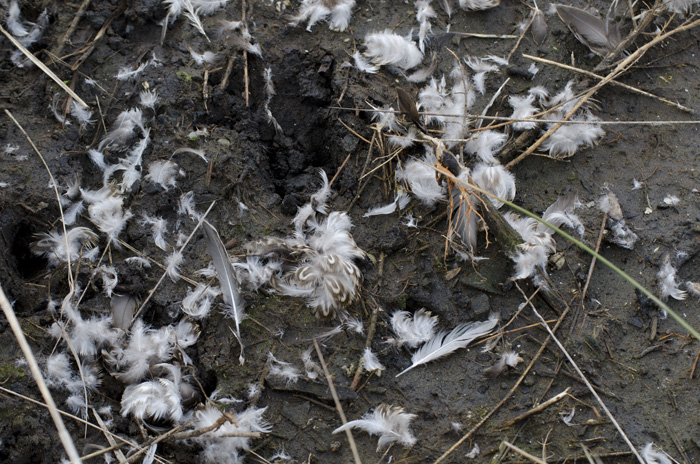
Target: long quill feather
{"x": 227, "y": 279}
{"x": 445, "y": 343}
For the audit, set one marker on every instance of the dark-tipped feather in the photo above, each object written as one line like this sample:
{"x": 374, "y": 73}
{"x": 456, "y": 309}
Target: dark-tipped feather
{"x": 408, "y": 107}
{"x": 229, "y": 283}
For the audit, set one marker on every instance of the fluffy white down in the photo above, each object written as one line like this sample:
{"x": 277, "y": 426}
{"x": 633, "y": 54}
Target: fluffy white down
{"x": 385, "y": 48}
{"x": 495, "y": 179}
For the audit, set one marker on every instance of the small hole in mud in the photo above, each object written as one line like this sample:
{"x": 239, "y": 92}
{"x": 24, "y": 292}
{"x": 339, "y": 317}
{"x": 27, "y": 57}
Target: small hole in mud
{"x": 28, "y": 265}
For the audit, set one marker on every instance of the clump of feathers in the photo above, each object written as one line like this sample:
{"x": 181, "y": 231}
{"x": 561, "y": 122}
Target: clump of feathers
{"x": 538, "y": 241}
{"x": 315, "y": 263}
{"x": 412, "y": 330}
{"x": 390, "y": 423}
{"x": 315, "y": 11}
{"x": 387, "y": 48}
{"x": 226, "y": 442}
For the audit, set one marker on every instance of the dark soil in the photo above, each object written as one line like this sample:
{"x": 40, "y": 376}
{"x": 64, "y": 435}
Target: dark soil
{"x": 653, "y": 394}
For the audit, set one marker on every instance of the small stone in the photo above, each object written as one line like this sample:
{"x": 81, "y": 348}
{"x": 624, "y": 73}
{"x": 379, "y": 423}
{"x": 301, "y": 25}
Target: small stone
{"x": 480, "y": 305}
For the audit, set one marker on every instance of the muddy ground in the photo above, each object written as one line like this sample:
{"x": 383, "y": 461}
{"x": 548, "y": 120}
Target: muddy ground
{"x": 650, "y": 392}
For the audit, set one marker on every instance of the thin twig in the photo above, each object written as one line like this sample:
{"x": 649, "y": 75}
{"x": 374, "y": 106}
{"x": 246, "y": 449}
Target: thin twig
{"x": 520, "y": 39}
{"x": 338, "y": 406}
{"x": 110, "y": 439}
{"x": 43, "y": 67}
{"x": 73, "y": 25}
{"x": 63, "y": 434}
{"x": 523, "y": 453}
{"x": 617, "y": 83}
{"x": 245, "y": 59}
{"x": 583, "y": 377}
{"x": 538, "y": 408}
{"x": 590, "y": 273}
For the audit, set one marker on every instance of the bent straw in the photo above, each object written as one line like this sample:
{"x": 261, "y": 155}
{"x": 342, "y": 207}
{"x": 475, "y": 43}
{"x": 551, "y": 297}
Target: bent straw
{"x": 43, "y": 67}
{"x": 36, "y": 373}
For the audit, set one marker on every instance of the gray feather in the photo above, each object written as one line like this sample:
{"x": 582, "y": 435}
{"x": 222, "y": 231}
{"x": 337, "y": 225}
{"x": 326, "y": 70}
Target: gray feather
{"x": 539, "y": 28}
{"x": 601, "y": 36}
{"x": 227, "y": 279}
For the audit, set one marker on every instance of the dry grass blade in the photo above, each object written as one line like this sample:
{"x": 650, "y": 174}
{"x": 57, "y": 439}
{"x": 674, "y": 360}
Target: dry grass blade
{"x": 66, "y": 439}
{"x": 43, "y": 67}
{"x": 338, "y": 406}
{"x": 523, "y": 453}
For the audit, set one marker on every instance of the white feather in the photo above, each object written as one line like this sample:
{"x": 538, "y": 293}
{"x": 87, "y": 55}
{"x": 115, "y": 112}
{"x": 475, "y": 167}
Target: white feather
{"x": 486, "y": 145}
{"x": 186, "y": 206}
{"x": 98, "y": 158}
{"x": 282, "y": 370}
{"x": 412, "y": 329}
{"x": 391, "y": 423}
{"x": 341, "y": 13}
{"x": 14, "y": 22}
{"x": 53, "y": 246}
{"x": 109, "y": 278}
{"x": 163, "y": 173}
{"x": 496, "y": 180}
{"x": 652, "y": 455}
{"x": 363, "y": 65}
{"x": 204, "y": 58}
{"x": 82, "y": 114}
{"x": 371, "y": 362}
{"x": 148, "y": 98}
{"x": 421, "y": 180}
{"x": 570, "y": 137}
{"x": 127, "y": 73}
{"x": 385, "y": 48}
{"x": 197, "y": 302}
{"x": 223, "y": 444}
{"x": 523, "y": 108}
{"x": 158, "y": 228}
{"x": 424, "y": 13}
{"x": 123, "y": 128}
{"x": 156, "y": 399}
{"x": 399, "y": 202}
{"x": 478, "y": 4}
{"x": 668, "y": 285}
{"x": 71, "y": 214}
{"x": 109, "y": 217}
{"x": 445, "y": 343}
{"x": 173, "y": 263}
